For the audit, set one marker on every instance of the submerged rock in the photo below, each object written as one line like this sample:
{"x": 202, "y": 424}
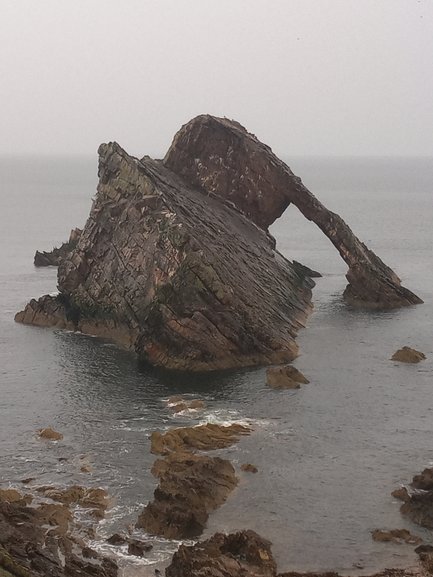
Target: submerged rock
{"x": 408, "y": 355}
{"x": 190, "y": 488}
{"x": 249, "y": 468}
{"x": 395, "y": 536}
{"x": 50, "y": 434}
{"x": 175, "y": 261}
{"x": 202, "y": 437}
{"x": 55, "y": 257}
{"x": 287, "y": 377}
{"x": 242, "y": 554}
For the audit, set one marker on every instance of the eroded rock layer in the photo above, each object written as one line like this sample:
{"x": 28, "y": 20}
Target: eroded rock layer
{"x": 221, "y": 158}
{"x": 182, "y": 278}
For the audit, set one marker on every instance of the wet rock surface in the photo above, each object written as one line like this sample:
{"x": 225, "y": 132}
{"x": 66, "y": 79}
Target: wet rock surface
{"x": 242, "y": 554}
{"x": 395, "y": 536}
{"x": 38, "y": 540}
{"x": 408, "y": 355}
{"x": 221, "y": 158}
{"x": 50, "y": 434}
{"x": 286, "y": 377}
{"x": 418, "y": 501}
{"x": 190, "y": 488}
{"x": 202, "y": 437}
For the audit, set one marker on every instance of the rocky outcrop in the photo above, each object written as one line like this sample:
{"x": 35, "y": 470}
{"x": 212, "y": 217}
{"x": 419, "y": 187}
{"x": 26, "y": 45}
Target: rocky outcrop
{"x": 55, "y": 257}
{"x": 37, "y": 541}
{"x": 202, "y": 438}
{"x": 221, "y": 158}
{"x": 287, "y": 377}
{"x": 190, "y": 488}
{"x": 175, "y": 261}
{"x": 418, "y": 501}
{"x": 179, "y": 277}
{"x": 242, "y": 554}
{"x": 408, "y": 355}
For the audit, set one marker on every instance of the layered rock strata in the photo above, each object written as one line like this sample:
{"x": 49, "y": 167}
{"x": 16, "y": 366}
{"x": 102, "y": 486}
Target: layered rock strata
{"x": 38, "y": 540}
{"x": 179, "y": 277}
{"x": 221, "y": 158}
{"x": 190, "y": 488}
{"x": 176, "y": 263}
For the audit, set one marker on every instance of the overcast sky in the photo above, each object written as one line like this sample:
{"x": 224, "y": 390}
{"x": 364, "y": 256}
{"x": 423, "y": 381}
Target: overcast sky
{"x": 319, "y": 77}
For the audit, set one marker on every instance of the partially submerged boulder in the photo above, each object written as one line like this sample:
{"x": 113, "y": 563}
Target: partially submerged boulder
{"x": 50, "y": 434}
{"x": 242, "y": 554}
{"x": 408, "y": 355}
{"x": 202, "y": 437}
{"x": 175, "y": 261}
{"x": 179, "y": 277}
{"x": 395, "y": 536}
{"x": 190, "y": 488}
{"x": 418, "y": 503}
{"x": 286, "y": 377}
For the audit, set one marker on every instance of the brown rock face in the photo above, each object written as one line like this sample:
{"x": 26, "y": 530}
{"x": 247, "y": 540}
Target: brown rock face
{"x": 408, "y": 355}
{"x": 37, "y": 541}
{"x": 221, "y": 158}
{"x": 395, "y": 536}
{"x": 203, "y": 438}
{"x": 190, "y": 487}
{"x": 50, "y": 434}
{"x": 243, "y": 554}
{"x": 181, "y": 278}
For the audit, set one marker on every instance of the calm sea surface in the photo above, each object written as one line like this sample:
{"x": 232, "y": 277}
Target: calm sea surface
{"x": 328, "y": 455}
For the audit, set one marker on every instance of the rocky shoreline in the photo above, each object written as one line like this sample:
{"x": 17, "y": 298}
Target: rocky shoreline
{"x": 40, "y": 534}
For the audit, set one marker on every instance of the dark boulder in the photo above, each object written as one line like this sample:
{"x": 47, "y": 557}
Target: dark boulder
{"x": 242, "y": 554}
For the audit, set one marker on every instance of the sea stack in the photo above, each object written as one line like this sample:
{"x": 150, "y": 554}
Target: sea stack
{"x": 176, "y": 263}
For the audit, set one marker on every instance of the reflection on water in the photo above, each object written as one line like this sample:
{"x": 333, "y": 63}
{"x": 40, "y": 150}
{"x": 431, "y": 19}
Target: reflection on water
{"x": 328, "y": 455}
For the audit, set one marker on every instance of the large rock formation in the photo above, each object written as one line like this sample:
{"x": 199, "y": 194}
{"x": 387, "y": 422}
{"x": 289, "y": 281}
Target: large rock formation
{"x": 223, "y": 159}
{"x": 175, "y": 261}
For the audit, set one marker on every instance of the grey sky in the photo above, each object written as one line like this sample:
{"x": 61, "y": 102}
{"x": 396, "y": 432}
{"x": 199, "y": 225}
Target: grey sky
{"x": 318, "y": 77}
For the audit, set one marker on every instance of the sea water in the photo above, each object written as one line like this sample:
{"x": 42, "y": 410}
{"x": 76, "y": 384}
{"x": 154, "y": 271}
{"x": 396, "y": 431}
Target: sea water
{"x": 328, "y": 455}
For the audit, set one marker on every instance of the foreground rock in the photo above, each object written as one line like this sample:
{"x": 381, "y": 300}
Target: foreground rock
{"x": 175, "y": 261}
{"x": 223, "y": 159}
{"x": 55, "y": 257}
{"x": 408, "y": 355}
{"x": 287, "y": 377}
{"x": 243, "y": 554}
{"x": 37, "y": 541}
{"x": 202, "y": 437}
{"x": 190, "y": 488}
